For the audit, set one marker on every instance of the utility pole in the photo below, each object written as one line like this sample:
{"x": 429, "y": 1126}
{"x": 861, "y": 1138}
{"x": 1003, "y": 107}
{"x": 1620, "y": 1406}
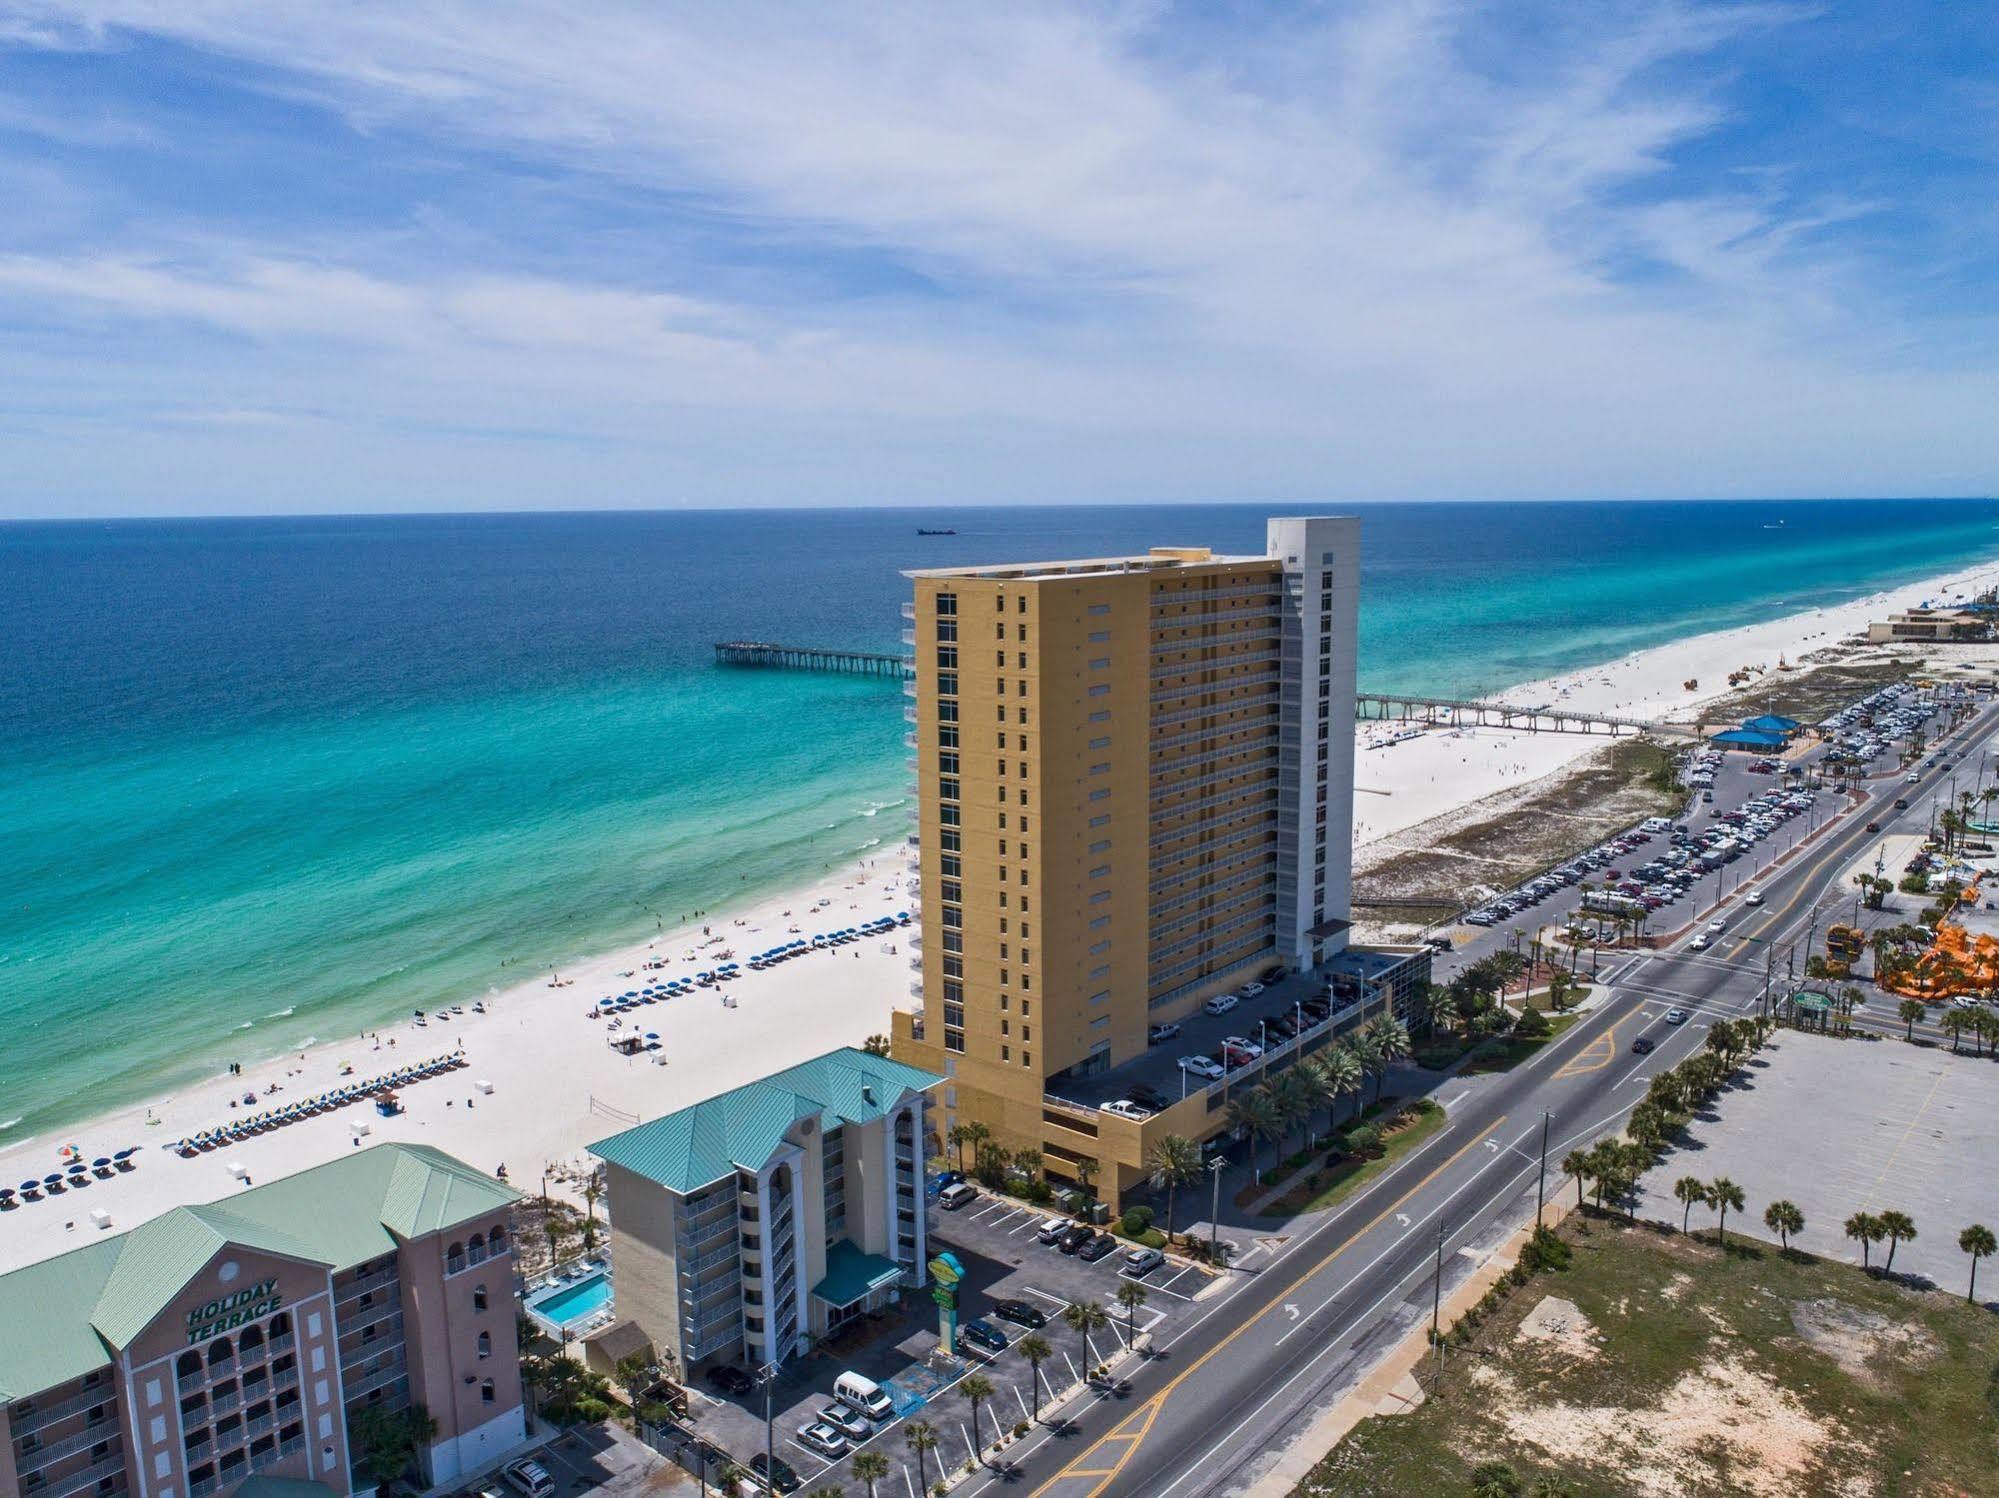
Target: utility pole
{"x": 1541, "y": 1184}
{"x": 1215, "y": 1167}
{"x": 1437, "y": 1288}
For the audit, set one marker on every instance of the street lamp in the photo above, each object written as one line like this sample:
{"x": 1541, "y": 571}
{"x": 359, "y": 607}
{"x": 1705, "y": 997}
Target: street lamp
{"x": 767, "y": 1376}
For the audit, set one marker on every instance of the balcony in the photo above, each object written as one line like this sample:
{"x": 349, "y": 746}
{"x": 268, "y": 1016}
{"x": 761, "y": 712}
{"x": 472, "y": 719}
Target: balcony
{"x": 375, "y": 1284}
{"x": 43, "y": 1456}
{"x": 86, "y": 1477}
{"x": 385, "y": 1379}
{"x": 278, "y": 1453}
{"x": 45, "y": 1415}
{"x": 909, "y": 608}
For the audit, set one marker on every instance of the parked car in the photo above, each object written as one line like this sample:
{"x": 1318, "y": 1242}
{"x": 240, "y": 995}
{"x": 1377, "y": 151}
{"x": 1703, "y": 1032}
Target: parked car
{"x": 1096, "y": 1248}
{"x": 1076, "y": 1237}
{"x": 1242, "y": 1045}
{"x": 1149, "y": 1097}
{"x": 957, "y": 1194}
{"x": 529, "y": 1478}
{"x": 982, "y": 1333}
{"x": 1201, "y": 1066}
{"x": 850, "y": 1423}
{"x": 1126, "y": 1108}
{"x": 774, "y": 1473}
{"x": 1251, "y": 990}
{"x": 1221, "y": 1003}
{"x": 1159, "y": 1033}
{"x": 731, "y": 1380}
{"x": 1140, "y": 1262}
{"x": 823, "y": 1438}
{"x": 1272, "y": 974}
{"x": 1052, "y": 1229}
{"x": 1019, "y": 1312}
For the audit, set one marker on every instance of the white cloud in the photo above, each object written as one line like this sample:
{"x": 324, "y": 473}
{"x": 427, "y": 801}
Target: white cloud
{"x": 1346, "y": 252}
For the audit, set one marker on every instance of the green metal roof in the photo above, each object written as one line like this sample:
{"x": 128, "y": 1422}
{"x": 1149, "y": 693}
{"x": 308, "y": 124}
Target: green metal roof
{"x": 851, "y": 1274}
{"x": 743, "y": 1128}
{"x": 65, "y": 1316}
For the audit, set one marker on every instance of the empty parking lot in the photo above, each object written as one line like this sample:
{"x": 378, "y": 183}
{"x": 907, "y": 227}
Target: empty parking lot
{"x": 1845, "y": 1126}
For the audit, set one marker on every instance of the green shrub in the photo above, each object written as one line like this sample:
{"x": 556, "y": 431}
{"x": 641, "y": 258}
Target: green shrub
{"x": 1136, "y": 1220}
{"x": 1533, "y": 1025}
{"x": 1364, "y": 1139}
{"x": 1422, "y": 1107}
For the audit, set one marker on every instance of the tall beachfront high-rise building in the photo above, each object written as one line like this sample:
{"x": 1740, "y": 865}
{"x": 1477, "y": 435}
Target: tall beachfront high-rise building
{"x": 1135, "y": 783}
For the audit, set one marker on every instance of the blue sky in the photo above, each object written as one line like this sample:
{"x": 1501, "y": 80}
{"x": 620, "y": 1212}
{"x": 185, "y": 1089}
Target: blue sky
{"x": 445, "y": 255}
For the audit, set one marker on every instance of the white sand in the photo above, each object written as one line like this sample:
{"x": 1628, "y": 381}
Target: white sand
{"x": 554, "y": 1075}
{"x": 545, "y": 1060}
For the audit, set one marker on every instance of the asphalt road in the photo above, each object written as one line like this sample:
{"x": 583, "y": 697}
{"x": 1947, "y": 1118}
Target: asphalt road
{"x": 1234, "y": 1380}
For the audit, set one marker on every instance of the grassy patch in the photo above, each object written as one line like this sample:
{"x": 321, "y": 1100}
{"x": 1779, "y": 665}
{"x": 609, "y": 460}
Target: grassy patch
{"x": 1325, "y": 1187}
{"x": 1150, "y": 1238}
{"x": 1690, "y": 1370}
{"x": 1512, "y": 835}
{"x": 1509, "y": 1051}
{"x": 1810, "y": 696}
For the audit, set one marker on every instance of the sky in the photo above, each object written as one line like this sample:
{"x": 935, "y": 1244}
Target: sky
{"x": 292, "y": 256}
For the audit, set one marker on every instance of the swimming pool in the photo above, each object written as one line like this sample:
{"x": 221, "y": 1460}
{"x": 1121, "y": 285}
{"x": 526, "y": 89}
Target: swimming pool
{"x": 563, "y": 1306}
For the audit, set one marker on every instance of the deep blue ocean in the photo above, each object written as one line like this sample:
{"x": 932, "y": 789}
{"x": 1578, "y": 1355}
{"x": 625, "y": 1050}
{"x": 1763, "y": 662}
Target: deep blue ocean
{"x": 265, "y": 780}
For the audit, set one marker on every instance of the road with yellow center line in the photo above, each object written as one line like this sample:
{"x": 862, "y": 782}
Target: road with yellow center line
{"x": 1238, "y": 1375}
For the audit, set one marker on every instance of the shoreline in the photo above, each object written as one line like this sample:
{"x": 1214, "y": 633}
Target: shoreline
{"x": 556, "y": 1084}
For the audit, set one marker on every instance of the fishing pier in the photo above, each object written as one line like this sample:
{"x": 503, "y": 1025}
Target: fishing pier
{"x": 811, "y": 658}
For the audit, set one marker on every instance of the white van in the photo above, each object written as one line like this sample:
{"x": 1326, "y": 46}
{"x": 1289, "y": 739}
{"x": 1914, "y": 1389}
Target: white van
{"x": 863, "y": 1396}
{"x": 956, "y": 1195}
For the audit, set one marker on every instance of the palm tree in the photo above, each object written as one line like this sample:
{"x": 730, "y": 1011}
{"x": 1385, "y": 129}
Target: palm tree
{"x": 1293, "y": 1099}
{"x": 1783, "y": 1218}
{"x": 976, "y": 1388}
{"x": 870, "y": 1467}
{"x": 976, "y": 1134}
{"x": 826, "y": 1490}
{"x": 1084, "y": 1317}
{"x": 1976, "y": 1240}
{"x": 1605, "y": 1167}
{"x": 1440, "y": 1007}
{"x": 922, "y": 1438}
{"x": 1131, "y": 1295}
{"x": 1036, "y": 1349}
{"x": 1691, "y": 1192}
{"x": 1909, "y": 1011}
{"x": 1648, "y": 1124}
{"x": 1337, "y": 1073}
{"x": 1722, "y": 1193}
{"x": 958, "y": 1137}
{"x": 1086, "y": 1171}
{"x": 1254, "y": 1114}
{"x": 1954, "y": 1024}
{"x": 1175, "y": 1161}
{"x": 1865, "y": 1230}
{"x": 1577, "y": 1164}
{"x": 1545, "y": 1486}
{"x": 1897, "y": 1227}
{"x": 1388, "y": 1041}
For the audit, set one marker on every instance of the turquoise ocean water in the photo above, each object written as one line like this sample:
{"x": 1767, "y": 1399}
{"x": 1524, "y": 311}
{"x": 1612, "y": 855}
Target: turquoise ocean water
{"x": 266, "y": 781}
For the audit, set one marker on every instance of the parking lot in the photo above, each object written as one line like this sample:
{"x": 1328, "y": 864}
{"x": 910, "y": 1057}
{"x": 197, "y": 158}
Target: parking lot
{"x": 995, "y": 1239}
{"x": 1845, "y": 1126}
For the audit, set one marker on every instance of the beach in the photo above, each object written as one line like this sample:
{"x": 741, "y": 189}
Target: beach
{"x": 556, "y": 1084}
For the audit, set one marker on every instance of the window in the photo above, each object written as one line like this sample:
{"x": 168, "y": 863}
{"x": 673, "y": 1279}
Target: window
{"x": 947, "y": 762}
{"x": 1101, "y": 847}
{"x": 947, "y": 683}
{"x": 1101, "y": 689}
{"x": 947, "y": 657}
{"x": 948, "y": 789}
{"x": 1101, "y": 793}
{"x": 1098, "y": 610}
{"x": 1102, "y": 663}
{"x": 947, "y": 736}
{"x": 947, "y": 603}
{"x": 1103, "y": 821}
{"x": 1022, "y": 637}
{"x": 1100, "y": 637}
{"x": 947, "y": 629}
{"x": 947, "y": 712}
{"x": 486, "y": 1395}
{"x": 478, "y": 1297}
{"x": 999, "y": 632}
{"x": 485, "y": 1344}
{"x": 1101, "y": 715}
{"x": 1102, "y": 743}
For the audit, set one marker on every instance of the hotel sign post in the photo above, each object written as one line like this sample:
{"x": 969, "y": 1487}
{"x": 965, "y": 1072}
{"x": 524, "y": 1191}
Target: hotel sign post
{"x": 231, "y": 1311}
{"x": 945, "y": 1274}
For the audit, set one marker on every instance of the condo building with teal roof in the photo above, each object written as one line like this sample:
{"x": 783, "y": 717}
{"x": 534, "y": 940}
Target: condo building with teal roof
{"x": 779, "y": 1211}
